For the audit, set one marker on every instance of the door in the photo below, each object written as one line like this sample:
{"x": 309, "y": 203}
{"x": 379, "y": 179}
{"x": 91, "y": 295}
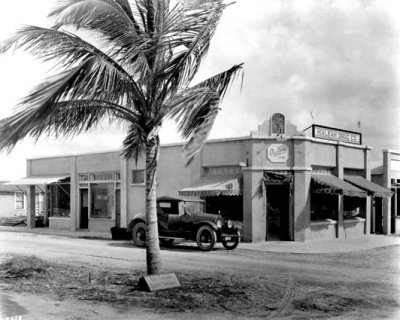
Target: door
{"x": 118, "y": 208}
{"x": 277, "y": 212}
{"x": 378, "y": 216}
{"x": 84, "y": 217}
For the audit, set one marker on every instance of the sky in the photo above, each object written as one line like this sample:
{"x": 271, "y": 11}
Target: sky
{"x": 329, "y": 62}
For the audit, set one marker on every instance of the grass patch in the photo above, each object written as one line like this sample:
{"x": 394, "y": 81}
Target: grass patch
{"x": 200, "y": 292}
{"x": 23, "y": 267}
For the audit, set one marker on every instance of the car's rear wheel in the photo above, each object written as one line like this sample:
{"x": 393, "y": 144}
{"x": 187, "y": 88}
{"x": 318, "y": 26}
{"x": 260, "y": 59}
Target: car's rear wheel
{"x": 230, "y": 243}
{"x": 206, "y": 238}
{"x": 139, "y": 234}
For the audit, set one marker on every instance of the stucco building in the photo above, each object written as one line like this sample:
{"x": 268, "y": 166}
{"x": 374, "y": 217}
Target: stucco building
{"x": 386, "y": 173}
{"x": 283, "y": 184}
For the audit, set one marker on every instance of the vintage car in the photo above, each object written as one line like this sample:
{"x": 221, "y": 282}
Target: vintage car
{"x": 185, "y": 219}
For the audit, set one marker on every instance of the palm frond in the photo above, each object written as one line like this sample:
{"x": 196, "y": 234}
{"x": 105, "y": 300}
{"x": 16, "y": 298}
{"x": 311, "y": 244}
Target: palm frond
{"x": 134, "y": 143}
{"x": 105, "y": 17}
{"x": 124, "y": 4}
{"x": 195, "y": 109}
{"x": 197, "y": 32}
{"x": 69, "y": 50}
{"x": 201, "y": 128}
{"x": 48, "y": 110}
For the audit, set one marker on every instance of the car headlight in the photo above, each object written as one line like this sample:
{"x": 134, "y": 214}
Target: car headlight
{"x": 219, "y": 223}
{"x": 230, "y": 224}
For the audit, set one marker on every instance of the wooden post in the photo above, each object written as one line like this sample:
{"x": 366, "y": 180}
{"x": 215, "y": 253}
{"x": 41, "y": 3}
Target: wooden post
{"x": 30, "y": 208}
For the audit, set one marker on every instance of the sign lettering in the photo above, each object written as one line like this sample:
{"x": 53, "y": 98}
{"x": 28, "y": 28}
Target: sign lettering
{"x": 337, "y": 135}
{"x": 277, "y": 152}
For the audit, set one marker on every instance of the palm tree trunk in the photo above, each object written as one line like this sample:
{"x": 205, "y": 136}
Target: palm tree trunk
{"x": 153, "y": 256}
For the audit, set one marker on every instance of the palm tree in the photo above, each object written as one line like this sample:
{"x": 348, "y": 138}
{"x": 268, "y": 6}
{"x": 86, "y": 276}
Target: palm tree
{"x": 136, "y": 69}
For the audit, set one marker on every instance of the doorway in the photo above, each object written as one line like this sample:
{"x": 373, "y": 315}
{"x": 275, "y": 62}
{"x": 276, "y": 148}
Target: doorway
{"x": 378, "y": 216}
{"x": 277, "y": 212}
{"x": 84, "y": 216}
{"x": 395, "y": 203}
{"x": 118, "y": 208}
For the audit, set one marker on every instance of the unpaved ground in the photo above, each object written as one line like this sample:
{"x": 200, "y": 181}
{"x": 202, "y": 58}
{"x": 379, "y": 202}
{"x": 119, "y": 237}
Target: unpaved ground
{"x": 217, "y": 284}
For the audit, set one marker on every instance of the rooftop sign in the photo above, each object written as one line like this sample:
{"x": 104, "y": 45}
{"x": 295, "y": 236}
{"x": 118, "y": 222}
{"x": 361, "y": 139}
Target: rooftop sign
{"x": 336, "y": 134}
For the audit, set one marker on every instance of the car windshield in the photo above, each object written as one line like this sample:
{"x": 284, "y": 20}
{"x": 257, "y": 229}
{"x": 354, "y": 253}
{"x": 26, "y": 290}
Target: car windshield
{"x": 169, "y": 207}
{"x": 193, "y": 207}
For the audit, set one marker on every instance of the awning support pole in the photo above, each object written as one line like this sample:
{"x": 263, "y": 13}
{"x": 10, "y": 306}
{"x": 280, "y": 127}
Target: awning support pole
{"x": 30, "y": 208}
{"x": 340, "y": 232}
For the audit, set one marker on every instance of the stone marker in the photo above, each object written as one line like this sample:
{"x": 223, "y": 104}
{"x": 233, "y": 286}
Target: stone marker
{"x": 159, "y": 282}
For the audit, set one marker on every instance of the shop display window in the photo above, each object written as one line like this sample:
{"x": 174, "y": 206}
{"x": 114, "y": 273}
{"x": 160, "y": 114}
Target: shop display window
{"x": 59, "y": 200}
{"x": 354, "y": 207}
{"x": 19, "y": 201}
{"x": 324, "y": 206}
{"x": 102, "y": 200}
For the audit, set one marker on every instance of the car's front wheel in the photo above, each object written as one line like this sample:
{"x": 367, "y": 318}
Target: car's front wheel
{"x": 230, "y": 243}
{"x": 206, "y": 238}
{"x": 139, "y": 234}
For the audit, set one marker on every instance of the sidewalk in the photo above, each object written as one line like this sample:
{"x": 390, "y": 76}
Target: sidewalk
{"x": 325, "y": 246}
{"x": 310, "y": 247}
{"x": 84, "y": 234}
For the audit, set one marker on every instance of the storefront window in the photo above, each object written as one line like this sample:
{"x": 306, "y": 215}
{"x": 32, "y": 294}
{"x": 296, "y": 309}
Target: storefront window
{"x": 353, "y": 207}
{"x": 59, "y": 200}
{"x": 19, "y": 201}
{"x": 39, "y": 203}
{"x": 324, "y": 206}
{"x": 102, "y": 200}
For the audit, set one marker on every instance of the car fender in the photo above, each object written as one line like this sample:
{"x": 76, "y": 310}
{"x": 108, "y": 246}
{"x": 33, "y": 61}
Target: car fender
{"x": 140, "y": 217}
{"x": 209, "y": 223}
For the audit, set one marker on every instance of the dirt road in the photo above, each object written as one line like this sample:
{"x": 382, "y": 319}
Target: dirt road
{"x": 357, "y": 285}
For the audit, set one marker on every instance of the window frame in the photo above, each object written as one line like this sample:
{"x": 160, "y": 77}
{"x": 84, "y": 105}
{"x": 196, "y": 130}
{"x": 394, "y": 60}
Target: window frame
{"x": 133, "y": 175}
{"x": 17, "y": 201}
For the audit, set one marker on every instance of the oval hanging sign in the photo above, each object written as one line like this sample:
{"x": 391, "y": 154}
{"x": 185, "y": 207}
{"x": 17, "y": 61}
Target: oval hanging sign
{"x": 277, "y": 152}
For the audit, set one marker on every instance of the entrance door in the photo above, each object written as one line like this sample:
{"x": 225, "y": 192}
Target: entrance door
{"x": 277, "y": 210}
{"x": 84, "y": 218}
{"x": 378, "y": 216}
{"x": 118, "y": 208}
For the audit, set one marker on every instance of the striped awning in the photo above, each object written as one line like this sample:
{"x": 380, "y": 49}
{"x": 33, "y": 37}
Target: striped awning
{"x": 371, "y": 188}
{"x": 214, "y": 185}
{"x": 277, "y": 177}
{"x": 323, "y": 183}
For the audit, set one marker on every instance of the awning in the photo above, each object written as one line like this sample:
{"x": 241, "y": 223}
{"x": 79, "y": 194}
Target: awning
{"x": 274, "y": 177}
{"x": 36, "y": 180}
{"x": 215, "y": 185}
{"x": 371, "y": 188}
{"x": 323, "y": 183}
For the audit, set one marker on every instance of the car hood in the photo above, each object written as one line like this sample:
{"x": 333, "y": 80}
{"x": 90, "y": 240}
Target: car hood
{"x": 205, "y": 217}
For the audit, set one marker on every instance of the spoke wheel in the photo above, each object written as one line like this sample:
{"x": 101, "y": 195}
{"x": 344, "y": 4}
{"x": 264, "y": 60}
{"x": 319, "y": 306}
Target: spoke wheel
{"x": 139, "y": 234}
{"x": 206, "y": 238}
{"x": 230, "y": 244}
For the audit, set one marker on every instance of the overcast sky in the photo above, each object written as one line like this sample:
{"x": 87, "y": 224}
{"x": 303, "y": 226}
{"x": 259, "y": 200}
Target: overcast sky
{"x": 336, "y": 62}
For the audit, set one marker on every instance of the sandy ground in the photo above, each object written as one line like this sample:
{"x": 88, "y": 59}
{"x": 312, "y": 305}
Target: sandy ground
{"x": 241, "y": 284}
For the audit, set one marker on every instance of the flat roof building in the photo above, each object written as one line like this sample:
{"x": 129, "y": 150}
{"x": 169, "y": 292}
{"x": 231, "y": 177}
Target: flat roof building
{"x": 283, "y": 184}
